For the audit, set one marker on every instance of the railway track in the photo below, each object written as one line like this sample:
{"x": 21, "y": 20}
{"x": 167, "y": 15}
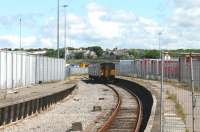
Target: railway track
{"x": 127, "y": 115}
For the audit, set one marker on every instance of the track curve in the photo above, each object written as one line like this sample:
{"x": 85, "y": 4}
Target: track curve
{"x": 127, "y": 115}
{"x": 143, "y": 94}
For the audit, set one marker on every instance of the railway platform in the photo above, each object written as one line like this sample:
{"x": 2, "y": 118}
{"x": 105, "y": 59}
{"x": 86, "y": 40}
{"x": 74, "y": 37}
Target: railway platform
{"x": 27, "y": 93}
{"x": 19, "y": 104}
{"x": 81, "y": 111}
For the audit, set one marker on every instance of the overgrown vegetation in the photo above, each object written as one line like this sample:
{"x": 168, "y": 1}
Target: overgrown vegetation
{"x": 179, "y": 108}
{"x": 186, "y": 130}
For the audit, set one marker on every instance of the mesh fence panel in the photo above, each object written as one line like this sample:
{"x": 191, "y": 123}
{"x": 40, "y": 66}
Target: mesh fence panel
{"x": 181, "y": 103}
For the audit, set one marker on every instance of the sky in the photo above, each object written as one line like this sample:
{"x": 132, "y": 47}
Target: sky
{"x": 106, "y": 23}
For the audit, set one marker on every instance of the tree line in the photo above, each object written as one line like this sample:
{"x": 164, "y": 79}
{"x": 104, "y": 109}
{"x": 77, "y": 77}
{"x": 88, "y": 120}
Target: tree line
{"x": 103, "y": 54}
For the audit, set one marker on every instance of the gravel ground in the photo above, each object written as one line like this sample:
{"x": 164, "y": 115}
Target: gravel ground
{"x": 75, "y": 108}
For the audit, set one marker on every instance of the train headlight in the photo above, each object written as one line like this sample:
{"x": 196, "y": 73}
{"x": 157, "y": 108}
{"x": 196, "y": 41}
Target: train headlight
{"x": 101, "y": 73}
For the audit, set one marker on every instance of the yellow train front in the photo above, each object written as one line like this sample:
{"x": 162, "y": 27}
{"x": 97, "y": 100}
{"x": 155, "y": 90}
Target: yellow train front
{"x": 103, "y": 71}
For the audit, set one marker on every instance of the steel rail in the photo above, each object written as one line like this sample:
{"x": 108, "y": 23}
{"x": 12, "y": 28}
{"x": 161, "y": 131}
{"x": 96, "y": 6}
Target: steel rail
{"x": 112, "y": 117}
{"x": 140, "y": 111}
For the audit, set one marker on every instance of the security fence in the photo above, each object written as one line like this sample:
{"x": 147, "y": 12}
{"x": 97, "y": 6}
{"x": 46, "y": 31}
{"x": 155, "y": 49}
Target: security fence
{"x": 181, "y": 95}
{"x": 19, "y": 69}
{"x": 151, "y": 69}
{"x": 75, "y": 71}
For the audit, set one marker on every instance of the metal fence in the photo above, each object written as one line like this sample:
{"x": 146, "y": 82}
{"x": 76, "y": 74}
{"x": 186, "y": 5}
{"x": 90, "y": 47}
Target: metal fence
{"x": 185, "y": 71}
{"x": 19, "y": 69}
{"x": 181, "y": 97}
{"x": 75, "y": 71}
{"x": 177, "y": 69}
{"x": 149, "y": 68}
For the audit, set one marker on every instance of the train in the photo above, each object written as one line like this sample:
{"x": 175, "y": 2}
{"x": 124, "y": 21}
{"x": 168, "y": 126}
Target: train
{"x": 102, "y": 71}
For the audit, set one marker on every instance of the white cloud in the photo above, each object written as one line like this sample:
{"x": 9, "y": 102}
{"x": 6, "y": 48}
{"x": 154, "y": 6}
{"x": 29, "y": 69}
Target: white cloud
{"x": 47, "y": 42}
{"x": 106, "y": 29}
{"x": 13, "y": 41}
{"x": 12, "y": 38}
{"x": 185, "y": 3}
{"x": 183, "y": 25}
{"x": 124, "y": 29}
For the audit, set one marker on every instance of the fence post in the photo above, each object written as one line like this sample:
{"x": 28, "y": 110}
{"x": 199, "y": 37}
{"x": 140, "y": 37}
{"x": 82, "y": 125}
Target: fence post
{"x": 39, "y": 68}
{"x": 25, "y": 67}
{"x": 179, "y": 66}
{"x": 50, "y": 79}
{"x": 12, "y": 70}
{"x": 51, "y": 69}
{"x": 60, "y": 67}
{"x": 6, "y": 76}
{"x": 21, "y": 76}
{"x": 36, "y": 69}
{"x": 43, "y": 68}
{"x": 0, "y": 69}
{"x": 54, "y": 69}
{"x": 192, "y": 86}
{"x": 29, "y": 69}
{"x": 162, "y": 94}
{"x": 47, "y": 69}
{"x": 157, "y": 69}
{"x": 16, "y": 68}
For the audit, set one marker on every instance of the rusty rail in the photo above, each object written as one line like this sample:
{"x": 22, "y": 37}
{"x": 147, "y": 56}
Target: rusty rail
{"x": 112, "y": 117}
{"x": 114, "y": 113}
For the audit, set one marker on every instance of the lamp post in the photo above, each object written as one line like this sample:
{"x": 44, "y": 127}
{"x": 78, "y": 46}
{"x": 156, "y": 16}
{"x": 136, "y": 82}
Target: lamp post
{"x": 161, "y": 83}
{"x": 159, "y": 37}
{"x": 20, "y": 34}
{"x": 58, "y": 28}
{"x": 65, "y": 33}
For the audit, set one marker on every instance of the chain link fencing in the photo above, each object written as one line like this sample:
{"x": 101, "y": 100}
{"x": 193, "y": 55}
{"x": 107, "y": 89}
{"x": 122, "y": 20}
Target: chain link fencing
{"x": 148, "y": 68}
{"x": 181, "y": 89}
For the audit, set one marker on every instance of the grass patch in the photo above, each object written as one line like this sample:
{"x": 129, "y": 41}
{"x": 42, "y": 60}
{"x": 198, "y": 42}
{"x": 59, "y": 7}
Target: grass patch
{"x": 180, "y": 111}
{"x": 183, "y": 85}
{"x": 172, "y": 96}
{"x": 186, "y": 130}
{"x": 179, "y": 108}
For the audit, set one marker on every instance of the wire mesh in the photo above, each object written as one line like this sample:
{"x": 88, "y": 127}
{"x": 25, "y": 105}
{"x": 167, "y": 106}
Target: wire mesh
{"x": 181, "y": 103}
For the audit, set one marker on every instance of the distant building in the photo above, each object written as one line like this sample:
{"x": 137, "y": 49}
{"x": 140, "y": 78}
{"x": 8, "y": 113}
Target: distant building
{"x": 78, "y": 50}
{"x": 90, "y": 54}
{"x": 185, "y": 57}
{"x": 38, "y": 52}
{"x": 120, "y": 52}
{"x": 167, "y": 56}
